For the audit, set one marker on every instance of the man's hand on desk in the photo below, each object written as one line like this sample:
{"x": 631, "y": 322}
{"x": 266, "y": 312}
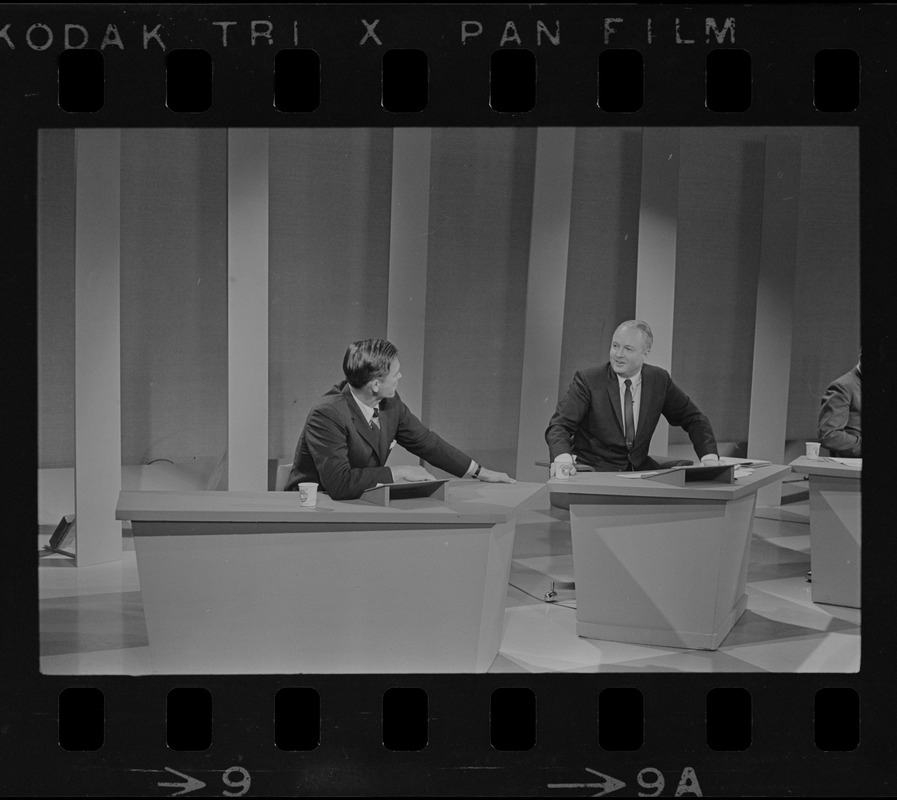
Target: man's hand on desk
{"x": 710, "y": 460}
{"x": 563, "y": 458}
{"x": 409, "y": 473}
{"x": 490, "y": 476}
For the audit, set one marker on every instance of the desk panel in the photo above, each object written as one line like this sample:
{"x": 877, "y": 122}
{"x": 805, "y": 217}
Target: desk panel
{"x": 835, "y": 530}
{"x": 356, "y": 589}
{"x": 660, "y": 564}
{"x": 665, "y": 573}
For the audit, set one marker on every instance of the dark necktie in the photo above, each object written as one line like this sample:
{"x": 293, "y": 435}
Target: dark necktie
{"x": 375, "y": 422}
{"x": 627, "y": 414}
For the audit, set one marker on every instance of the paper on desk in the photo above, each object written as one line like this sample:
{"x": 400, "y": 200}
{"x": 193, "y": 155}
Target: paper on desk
{"x": 746, "y": 462}
{"x": 740, "y": 472}
{"x": 847, "y": 462}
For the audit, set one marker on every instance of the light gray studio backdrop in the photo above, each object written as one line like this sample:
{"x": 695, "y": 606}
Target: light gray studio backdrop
{"x": 499, "y": 260}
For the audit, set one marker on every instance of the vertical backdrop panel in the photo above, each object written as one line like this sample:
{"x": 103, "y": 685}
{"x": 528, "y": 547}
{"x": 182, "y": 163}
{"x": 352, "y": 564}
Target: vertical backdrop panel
{"x": 657, "y": 234}
{"x": 545, "y": 289}
{"x": 247, "y": 309}
{"x": 480, "y": 215}
{"x": 408, "y": 238}
{"x": 826, "y": 336}
{"x": 774, "y": 321}
{"x": 717, "y": 261}
{"x": 97, "y": 345}
{"x": 56, "y": 292}
{"x": 602, "y": 261}
{"x": 174, "y": 294}
{"x": 329, "y": 212}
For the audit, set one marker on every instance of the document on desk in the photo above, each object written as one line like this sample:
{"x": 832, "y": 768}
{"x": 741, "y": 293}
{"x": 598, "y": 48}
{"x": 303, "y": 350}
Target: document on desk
{"x": 744, "y": 462}
{"x": 847, "y": 462}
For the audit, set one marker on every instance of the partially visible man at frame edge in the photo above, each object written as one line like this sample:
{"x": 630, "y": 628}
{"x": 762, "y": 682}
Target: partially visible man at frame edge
{"x": 839, "y": 426}
{"x": 591, "y": 418}
{"x": 348, "y": 435}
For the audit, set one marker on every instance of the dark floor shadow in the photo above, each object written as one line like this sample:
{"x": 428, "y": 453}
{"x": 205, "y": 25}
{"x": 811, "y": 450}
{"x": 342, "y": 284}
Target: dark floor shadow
{"x": 753, "y": 628}
{"x": 109, "y": 621}
{"x": 773, "y": 571}
{"x": 56, "y": 562}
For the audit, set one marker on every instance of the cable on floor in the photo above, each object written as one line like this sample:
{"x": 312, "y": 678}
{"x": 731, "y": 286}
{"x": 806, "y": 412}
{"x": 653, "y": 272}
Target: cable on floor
{"x": 564, "y": 603}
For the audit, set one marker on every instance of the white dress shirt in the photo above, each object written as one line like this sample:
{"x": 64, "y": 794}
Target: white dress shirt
{"x": 367, "y": 410}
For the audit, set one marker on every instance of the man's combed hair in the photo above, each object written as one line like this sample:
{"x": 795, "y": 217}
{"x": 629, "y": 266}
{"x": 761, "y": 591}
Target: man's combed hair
{"x": 643, "y": 326}
{"x": 368, "y": 359}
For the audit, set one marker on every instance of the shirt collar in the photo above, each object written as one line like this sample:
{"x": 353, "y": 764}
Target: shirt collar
{"x": 367, "y": 410}
{"x": 636, "y": 380}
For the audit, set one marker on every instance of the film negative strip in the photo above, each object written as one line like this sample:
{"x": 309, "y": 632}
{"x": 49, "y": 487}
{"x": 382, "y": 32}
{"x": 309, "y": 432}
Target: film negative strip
{"x": 808, "y": 722}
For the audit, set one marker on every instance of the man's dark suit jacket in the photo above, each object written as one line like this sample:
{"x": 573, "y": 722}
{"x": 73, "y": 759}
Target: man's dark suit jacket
{"x": 338, "y": 450}
{"x": 589, "y": 419}
{"x": 839, "y": 417}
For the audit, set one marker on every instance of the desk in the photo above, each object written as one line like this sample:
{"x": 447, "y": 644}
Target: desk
{"x": 659, "y": 564}
{"x": 250, "y": 582}
{"x": 834, "y": 530}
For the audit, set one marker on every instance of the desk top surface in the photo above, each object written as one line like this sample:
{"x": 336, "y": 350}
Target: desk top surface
{"x": 825, "y": 467}
{"x": 609, "y": 483}
{"x": 468, "y": 502}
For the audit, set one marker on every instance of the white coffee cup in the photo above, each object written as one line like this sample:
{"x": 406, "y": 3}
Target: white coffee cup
{"x": 308, "y": 494}
{"x": 564, "y": 470}
{"x": 812, "y": 449}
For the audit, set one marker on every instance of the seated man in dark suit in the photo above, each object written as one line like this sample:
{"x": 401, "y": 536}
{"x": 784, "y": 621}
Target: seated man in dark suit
{"x": 609, "y": 414}
{"x": 839, "y": 417}
{"x": 348, "y": 435}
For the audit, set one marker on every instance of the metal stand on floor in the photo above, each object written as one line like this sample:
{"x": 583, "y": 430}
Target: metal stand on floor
{"x": 65, "y": 530}
{"x": 551, "y": 595}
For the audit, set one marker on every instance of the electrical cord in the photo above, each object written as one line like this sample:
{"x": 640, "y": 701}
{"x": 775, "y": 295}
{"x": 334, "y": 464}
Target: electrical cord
{"x": 564, "y": 604}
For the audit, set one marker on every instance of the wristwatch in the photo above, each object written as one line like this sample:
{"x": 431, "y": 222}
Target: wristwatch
{"x": 477, "y": 472}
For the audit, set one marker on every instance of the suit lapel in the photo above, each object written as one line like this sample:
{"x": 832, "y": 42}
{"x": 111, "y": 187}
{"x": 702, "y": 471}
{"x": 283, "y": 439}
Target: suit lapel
{"x": 613, "y": 394}
{"x": 647, "y": 389}
{"x": 388, "y": 425}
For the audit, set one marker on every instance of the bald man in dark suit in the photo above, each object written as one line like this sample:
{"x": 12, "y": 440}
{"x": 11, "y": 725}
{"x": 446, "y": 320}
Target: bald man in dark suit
{"x": 609, "y": 413}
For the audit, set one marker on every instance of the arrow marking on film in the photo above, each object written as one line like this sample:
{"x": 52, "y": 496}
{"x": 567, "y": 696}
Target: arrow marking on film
{"x": 191, "y": 785}
{"x": 607, "y": 784}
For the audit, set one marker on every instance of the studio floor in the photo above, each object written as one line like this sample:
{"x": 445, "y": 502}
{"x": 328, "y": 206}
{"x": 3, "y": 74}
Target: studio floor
{"x": 92, "y": 622}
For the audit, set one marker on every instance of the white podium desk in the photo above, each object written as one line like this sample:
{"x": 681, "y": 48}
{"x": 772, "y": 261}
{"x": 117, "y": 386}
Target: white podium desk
{"x": 250, "y": 582}
{"x": 660, "y": 564}
{"x": 834, "y": 530}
